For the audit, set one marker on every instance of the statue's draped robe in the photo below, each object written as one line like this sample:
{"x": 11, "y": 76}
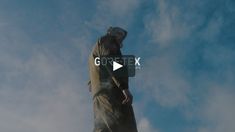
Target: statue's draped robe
{"x": 109, "y": 112}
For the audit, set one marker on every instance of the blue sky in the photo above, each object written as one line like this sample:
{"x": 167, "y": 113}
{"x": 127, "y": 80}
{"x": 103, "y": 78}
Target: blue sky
{"x": 186, "y": 83}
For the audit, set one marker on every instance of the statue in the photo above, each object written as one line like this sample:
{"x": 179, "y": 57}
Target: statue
{"x": 112, "y": 103}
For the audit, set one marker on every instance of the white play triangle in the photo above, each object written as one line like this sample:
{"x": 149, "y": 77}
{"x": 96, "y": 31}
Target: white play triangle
{"x": 116, "y": 66}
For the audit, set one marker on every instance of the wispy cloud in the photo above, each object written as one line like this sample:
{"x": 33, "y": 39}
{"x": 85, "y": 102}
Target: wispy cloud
{"x": 181, "y": 34}
{"x": 165, "y": 83}
{"x": 189, "y": 66}
{"x": 218, "y": 111}
{"x": 165, "y": 25}
{"x": 113, "y": 13}
{"x": 145, "y": 126}
{"x": 39, "y": 89}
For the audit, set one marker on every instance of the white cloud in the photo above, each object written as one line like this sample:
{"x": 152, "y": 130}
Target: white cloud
{"x": 145, "y": 126}
{"x": 218, "y": 111}
{"x": 163, "y": 81}
{"x": 49, "y": 102}
{"x": 113, "y": 13}
{"x": 165, "y": 25}
{"x": 39, "y": 90}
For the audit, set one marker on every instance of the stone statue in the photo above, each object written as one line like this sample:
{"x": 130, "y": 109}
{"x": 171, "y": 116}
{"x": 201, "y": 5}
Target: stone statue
{"x": 112, "y": 103}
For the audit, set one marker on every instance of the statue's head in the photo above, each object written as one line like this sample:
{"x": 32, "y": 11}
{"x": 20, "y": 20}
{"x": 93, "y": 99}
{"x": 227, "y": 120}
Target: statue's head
{"x": 118, "y": 33}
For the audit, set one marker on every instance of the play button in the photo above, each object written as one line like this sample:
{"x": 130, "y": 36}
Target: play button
{"x": 116, "y": 66}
